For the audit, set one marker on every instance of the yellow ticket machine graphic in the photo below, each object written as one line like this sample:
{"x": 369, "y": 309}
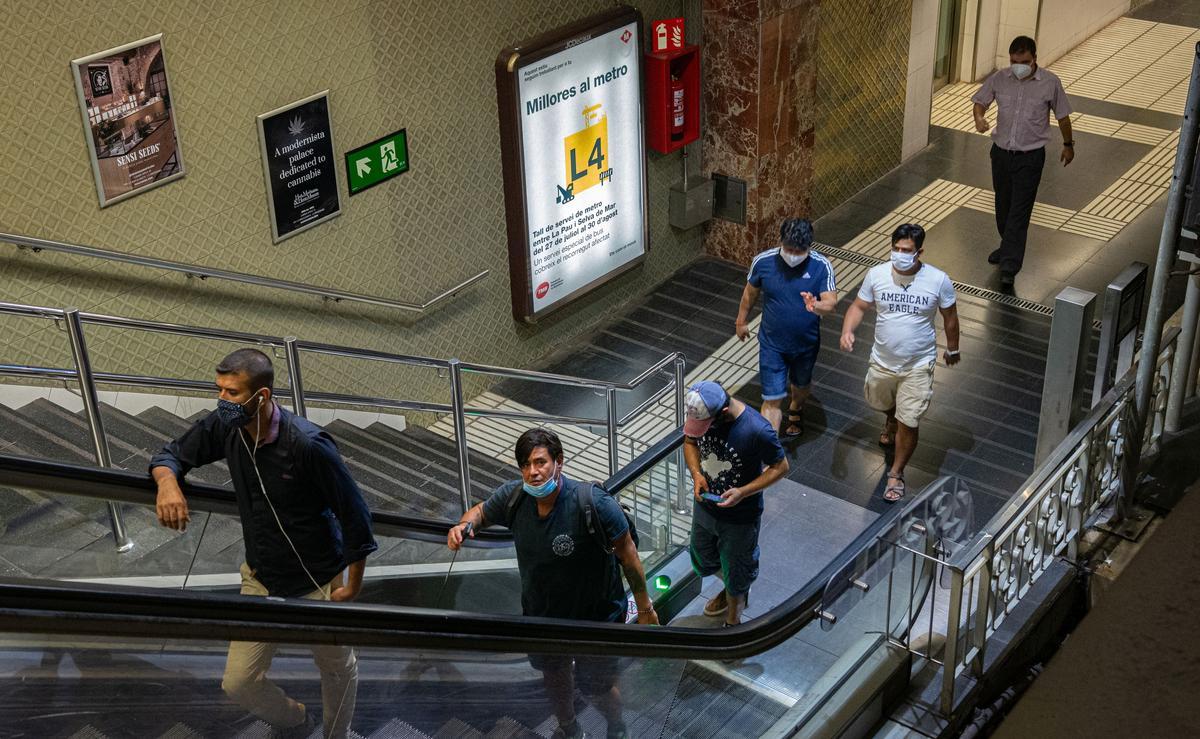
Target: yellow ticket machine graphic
{"x": 586, "y": 153}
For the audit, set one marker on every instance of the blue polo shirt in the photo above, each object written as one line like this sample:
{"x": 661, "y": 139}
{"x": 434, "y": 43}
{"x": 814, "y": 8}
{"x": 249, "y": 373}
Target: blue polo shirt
{"x": 787, "y": 326}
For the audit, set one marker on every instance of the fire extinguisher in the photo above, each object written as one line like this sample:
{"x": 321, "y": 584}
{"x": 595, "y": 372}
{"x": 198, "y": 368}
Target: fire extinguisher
{"x": 677, "y": 108}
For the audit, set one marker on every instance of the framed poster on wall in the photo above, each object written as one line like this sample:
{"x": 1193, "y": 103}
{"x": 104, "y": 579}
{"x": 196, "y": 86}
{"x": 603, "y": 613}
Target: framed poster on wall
{"x": 297, "y": 154}
{"x": 129, "y": 119}
{"x": 574, "y": 160}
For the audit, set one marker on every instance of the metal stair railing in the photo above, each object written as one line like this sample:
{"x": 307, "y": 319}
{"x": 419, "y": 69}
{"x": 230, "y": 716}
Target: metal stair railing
{"x": 203, "y": 273}
{"x": 88, "y": 379}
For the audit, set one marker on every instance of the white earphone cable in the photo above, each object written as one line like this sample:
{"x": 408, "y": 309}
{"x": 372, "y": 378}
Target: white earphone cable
{"x": 261, "y": 486}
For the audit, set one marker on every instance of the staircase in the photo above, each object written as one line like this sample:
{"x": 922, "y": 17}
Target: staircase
{"x": 413, "y": 472}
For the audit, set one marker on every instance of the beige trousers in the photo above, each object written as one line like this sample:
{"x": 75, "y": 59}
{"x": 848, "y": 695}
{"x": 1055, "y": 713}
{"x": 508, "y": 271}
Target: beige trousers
{"x": 246, "y": 680}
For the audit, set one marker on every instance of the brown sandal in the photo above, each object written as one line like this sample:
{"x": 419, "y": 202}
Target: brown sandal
{"x": 894, "y": 490}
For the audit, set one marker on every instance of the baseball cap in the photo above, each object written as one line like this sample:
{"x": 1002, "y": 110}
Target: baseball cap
{"x": 702, "y": 403}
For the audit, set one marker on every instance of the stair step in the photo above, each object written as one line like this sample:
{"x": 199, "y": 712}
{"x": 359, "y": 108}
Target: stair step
{"x": 403, "y": 479}
{"x": 165, "y": 422}
{"x": 38, "y": 441}
{"x": 487, "y": 470}
{"x": 397, "y": 729}
{"x": 139, "y": 433}
{"x": 508, "y": 728}
{"x": 181, "y": 731}
{"x": 430, "y": 456}
{"x": 456, "y": 728}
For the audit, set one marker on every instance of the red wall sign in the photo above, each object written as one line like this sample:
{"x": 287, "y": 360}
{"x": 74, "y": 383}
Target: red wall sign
{"x": 666, "y": 35}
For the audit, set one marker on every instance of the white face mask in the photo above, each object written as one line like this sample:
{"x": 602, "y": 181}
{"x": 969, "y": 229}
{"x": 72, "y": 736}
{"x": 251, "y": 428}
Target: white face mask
{"x": 791, "y": 258}
{"x": 903, "y": 261}
{"x": 1021, "y": 71}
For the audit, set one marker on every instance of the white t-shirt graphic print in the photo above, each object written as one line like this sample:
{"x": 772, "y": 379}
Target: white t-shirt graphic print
{"x": 905, "y": 306}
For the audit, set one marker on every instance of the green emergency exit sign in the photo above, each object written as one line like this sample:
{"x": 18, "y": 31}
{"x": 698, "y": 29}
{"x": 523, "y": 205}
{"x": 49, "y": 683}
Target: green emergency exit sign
{"x": 380, "y": 160}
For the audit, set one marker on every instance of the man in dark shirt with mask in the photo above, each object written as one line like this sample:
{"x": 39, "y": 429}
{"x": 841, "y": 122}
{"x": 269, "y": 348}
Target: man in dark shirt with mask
{"x": 564, "y": 571}
{"x": 733, "y": 455}
{"x": 304, "y": 522}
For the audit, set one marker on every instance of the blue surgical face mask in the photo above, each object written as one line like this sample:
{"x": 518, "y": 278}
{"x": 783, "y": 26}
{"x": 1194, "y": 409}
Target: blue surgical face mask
{"x": 1021, "y": 71}
{"x": 546, "y": 488}
{"x": 903, "y": 261}
{"x": 235, "y": 414}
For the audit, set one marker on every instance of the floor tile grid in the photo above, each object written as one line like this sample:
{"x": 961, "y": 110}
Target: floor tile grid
{"x": 1101, "y": 219}
{"x": 1132, "y": 62}
{"x": 952, "y": 109}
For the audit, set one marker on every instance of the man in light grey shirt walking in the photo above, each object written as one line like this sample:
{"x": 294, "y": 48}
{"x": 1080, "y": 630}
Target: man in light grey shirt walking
{"x": 1024, "y": 94}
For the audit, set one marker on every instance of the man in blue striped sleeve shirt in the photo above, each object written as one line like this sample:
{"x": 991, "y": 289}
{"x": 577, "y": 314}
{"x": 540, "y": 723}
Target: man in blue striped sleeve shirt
{"x": 798, "y": 287}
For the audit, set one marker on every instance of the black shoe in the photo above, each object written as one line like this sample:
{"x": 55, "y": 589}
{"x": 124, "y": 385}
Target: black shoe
{"x": 994, "y": 257}
{"x": 303, "y": 731}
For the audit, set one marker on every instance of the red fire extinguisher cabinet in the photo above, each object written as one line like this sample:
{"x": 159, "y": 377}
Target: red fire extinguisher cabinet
{"x": 683, "y": 64}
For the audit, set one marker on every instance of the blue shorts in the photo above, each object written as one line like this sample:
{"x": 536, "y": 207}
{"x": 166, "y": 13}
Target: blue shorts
{"x": 727, "y": 547}
{"x": 777, "y": 368}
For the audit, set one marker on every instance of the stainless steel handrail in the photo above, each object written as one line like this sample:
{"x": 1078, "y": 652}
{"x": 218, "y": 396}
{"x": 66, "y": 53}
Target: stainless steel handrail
{"x": 292, "y": 347}
{"x": 100, "y": 319}
{"x": 194, "y": 270}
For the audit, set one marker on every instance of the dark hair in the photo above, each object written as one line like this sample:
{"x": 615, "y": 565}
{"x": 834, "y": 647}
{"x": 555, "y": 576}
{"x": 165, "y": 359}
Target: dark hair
{"x": 1022, "y": 43}
{"x": 534, "y": 438}
{"x": 909, "y": 231}
{"x": 254, "y": 363}
{"x": 796, "y": 233}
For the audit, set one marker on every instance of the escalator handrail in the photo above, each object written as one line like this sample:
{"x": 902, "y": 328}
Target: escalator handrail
{"x": 139, "y": 488}
{"x": 43, "y": 606}
{"x": 83, "y": 608}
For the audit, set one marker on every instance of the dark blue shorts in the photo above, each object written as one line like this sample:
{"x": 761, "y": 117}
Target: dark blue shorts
{"x": 726, "y": 547}
{"x": 778, "y": 368}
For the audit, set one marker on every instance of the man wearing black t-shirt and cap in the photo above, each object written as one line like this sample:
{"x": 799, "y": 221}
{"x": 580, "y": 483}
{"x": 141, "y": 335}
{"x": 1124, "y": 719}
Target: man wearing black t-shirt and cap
{"x": 733, "y": 455}
{"x": 565, "y": 573}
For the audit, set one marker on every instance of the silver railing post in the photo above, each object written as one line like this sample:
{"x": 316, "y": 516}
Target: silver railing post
{"x": 460, "y": 433}
{"x": 610, "y": 404}
{"x": 681, "y": 492}
{"x": 1193, "y": 366}
{"x": 1183, "y": 359}
{"x": 293, "y": 365}
{"x": 91, "y": 407}
{"x": 1167, "y": 251}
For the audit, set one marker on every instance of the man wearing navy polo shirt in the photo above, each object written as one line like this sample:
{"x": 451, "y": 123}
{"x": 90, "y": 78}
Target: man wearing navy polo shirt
{"x": 798, "y": 287}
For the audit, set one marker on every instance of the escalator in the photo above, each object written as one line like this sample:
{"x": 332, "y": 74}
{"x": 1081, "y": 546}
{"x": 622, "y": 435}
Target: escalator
{"x": 112, "y": 656}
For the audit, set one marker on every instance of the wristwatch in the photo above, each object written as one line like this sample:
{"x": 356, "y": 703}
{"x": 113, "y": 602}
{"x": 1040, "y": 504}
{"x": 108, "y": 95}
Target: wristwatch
{"x": 1070, "y": 143}
{"x": 954, "y": 353}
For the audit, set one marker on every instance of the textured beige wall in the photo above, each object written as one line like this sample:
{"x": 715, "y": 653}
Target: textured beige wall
{"x": 425, "y": 65}
{"x": 862, "y": 69}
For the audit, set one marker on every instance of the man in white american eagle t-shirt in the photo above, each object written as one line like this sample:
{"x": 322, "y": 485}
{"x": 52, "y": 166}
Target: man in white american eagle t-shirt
{"x": 906, "y": 295}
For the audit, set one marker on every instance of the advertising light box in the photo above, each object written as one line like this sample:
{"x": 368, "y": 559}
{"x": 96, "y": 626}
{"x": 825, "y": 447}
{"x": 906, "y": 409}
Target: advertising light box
{"x": 574, "y": 160}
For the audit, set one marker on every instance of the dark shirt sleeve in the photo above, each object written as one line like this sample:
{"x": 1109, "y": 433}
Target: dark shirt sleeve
{"x": 608, "y": 510}
{"x": 772, "y": 449}
{"x": 495, "y": 508}
{"x": 203, "y": 443}
{"x": 328, "y": 472}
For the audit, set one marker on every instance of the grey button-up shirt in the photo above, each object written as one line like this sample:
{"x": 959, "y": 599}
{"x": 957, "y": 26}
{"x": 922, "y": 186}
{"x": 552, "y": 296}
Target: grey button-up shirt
{"x": 1023, "y": 107}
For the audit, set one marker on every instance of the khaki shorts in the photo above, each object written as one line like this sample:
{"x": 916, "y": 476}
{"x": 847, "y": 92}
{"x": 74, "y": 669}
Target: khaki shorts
{"x": 908, "y": 392}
